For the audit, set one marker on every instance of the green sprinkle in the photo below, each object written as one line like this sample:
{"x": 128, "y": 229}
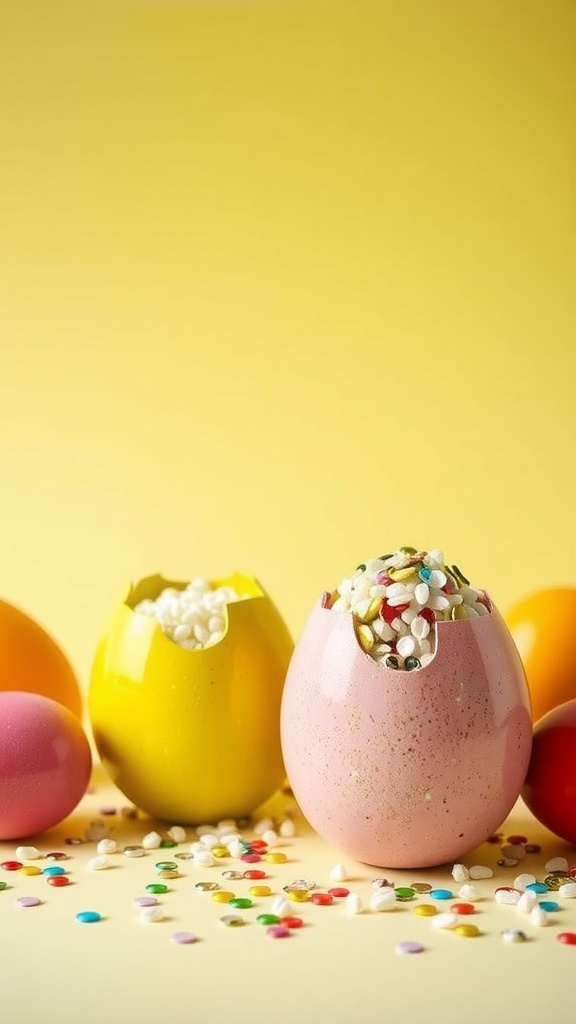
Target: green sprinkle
{"x": 167, "y": 844}
{"x": 156, "y": 888}
{"x": 166, "y": 865}
{"x": 404, "y": 892}
{"x": 241, "y": 903}
{"x": 268, "y": 919}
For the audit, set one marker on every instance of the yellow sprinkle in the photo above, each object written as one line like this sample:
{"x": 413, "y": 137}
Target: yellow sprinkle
{"x": 373, "y": 610}
{"x": 365, "y": 638}
{"x": 298, "y": 895}
{"x": 275, "y": 858}
{"x": 467, "y": 931}
{"x": 220, "y": 851}
{"x": 260, "y": 890}
{"x": 398, "y": 575}
{"x": 168, "y": 873}
{"x": 425, "y": 910}
{"x": 29, "y": 869}
{"x": 222, "y": 896}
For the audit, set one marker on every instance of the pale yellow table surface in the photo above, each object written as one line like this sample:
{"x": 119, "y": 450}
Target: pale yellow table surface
{"x": 338, "y": 968}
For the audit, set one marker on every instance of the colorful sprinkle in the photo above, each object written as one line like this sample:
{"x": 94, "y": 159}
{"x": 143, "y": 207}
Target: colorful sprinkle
{"x": 28, "y": 901}
{"x": 183, "y": 938}
{"x": 88, "y": 916}
{"x": 409, "y": 946}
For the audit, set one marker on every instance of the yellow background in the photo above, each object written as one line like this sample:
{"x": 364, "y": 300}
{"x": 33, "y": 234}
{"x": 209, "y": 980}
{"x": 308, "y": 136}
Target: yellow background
{"x": 283, "y": 285}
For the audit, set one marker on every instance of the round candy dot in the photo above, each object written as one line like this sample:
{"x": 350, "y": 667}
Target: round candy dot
{"x": 133, "y": 851}
{"x": 467, "y": 931}
{"x": 172, "y": 873}
{"x": 278, "y": 931}
{"x": 27, "y": 853}
{"x": 168, "y": 844}
{"x": 420, "y": 886}
{"x": 537, "y": 887}
{"x": 441, "y": 894}
{"x": 268, "y": 919}
{"x": 567, "y": 938}
{"x": 463, "y": 908}
{"x": 58, "y": 880}
{"x": 339, "y": 892}
{"x": 275, "y": 858}
{"x": 241, "y": 903}
{"x": 425, "y": 910}
{"x": 549, "y": 905}
{"x": 232, "y": 920}
{"x": 207, "y": 886}
{"x": 145, "y": 901}
{"x": 56, "y": 855}
{"x": 3, "y": 885}
{"x": 88, "y": 916}
{"x": 251, "y": 858}
{"x": 222, "y": 896}
{"x": 29, "y": 869}
{"x": 253, "y": 873}
{"x": 409, "y": 946}
{"x": 291, "y": 922}
{"x": 53, "y": 869}
{"x": 260, "y": 890}
{"x": 166, "y": 865}
{"x": 183, "y": 938}
{"x": 11, "y": 865}
{"x": 157, "y": 887}
{"x": 151, "y": 914}
{"x": 321, "y": 899}
{"x": 404, "y": 892}
{"x": 28, "y": 901}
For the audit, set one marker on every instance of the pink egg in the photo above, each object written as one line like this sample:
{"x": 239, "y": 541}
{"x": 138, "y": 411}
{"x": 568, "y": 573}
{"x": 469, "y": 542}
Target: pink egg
{"x": 45, "y": 763}
{"x": 406, "y": 769}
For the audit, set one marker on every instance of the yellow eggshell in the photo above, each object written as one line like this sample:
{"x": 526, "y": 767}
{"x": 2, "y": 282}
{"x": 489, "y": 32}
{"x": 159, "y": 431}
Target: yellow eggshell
{"x": 192, "y": 735}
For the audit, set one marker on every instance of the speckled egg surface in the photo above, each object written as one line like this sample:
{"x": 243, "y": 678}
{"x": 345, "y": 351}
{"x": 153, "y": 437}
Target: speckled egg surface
{"x": 406, "y": 769}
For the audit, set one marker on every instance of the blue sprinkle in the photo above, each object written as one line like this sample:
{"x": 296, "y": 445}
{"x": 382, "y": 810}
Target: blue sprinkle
{"x": 424, "y": 573}
{"x": 53, "y": 870}
{"x": 537, "y": 887}
{"x": 549, "y": 905}
{"x": 88, "y": 916}
{"x": 441, "y": 894}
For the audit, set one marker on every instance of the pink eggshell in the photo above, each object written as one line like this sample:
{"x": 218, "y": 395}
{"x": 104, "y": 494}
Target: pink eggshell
{"x": 406, "y": 769}
{"x": 45, "y": 763}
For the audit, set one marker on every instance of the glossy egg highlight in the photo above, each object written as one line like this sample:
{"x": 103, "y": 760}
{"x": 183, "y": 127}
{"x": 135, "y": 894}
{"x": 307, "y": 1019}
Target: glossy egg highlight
{"x": 406, "y": 769}
{"x": 542, "y": 626}
{"x": 45, "y": 763}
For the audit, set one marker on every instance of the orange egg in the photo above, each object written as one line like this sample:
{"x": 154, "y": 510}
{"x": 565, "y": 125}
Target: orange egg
{"x": 32, "y": 661}
{"x": 543, "y": 626}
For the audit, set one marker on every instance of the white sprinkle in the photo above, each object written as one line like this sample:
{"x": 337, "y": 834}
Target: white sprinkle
{"x": 99, "y": 863}
{"x": 567, "y": 890}
{"x": 460, "y": 873}
{"x": 521, "y": 881}
{"x": 151, "y": 841}
{"x": 382, "y": 899}
{"x": 209, "y": 840}
{"x": 338, "y": 873}
{"x": 527, "y": 901}
{"x": 204, "y": 859}
{"x": 235, "y": 848}
{"x": 353, "y": 903}
{"x": 177, "y": 834}
{"x": 538, "y": 917}
{"x": 506, "y": 896}
{"x": 445, "y": 920}
{"x": 27, "y": 853}
{"x": 106, "y": 846}
{"x": 470, "y": 892}
{"x": 406, "y": 646}
{"x": 513, "y": 935}
{"x": 270, "y": 837}
{"x": 149, "y": 915}
{"x": 287, "y": 828}
{"x": 557, "y": 864}
{"x": 481, "y": 871}
{"x": 280, "y": 906}
{"x": 264, "y": 825}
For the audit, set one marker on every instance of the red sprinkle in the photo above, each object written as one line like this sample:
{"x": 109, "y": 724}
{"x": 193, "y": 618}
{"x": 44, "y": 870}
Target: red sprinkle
{"x": 463, "y": 908}
{"x": 11, "y": 865}
{"x": 58, "y": 880}
{"x": 517, "y": 840}
{"x": 258, "y": 845}
{"x": 568, "y": 938}
{"x": 250, "y": 858}
{"x": 339, "y": 891}
{"x": 292, "y": 922}
{"x": 322, "y": 899}
{"x": 254, "y": 873}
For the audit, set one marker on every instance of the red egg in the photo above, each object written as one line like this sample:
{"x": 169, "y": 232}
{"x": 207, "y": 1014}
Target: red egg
{"x": 45, "y": 763}
{"x": 550, "y": 787}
